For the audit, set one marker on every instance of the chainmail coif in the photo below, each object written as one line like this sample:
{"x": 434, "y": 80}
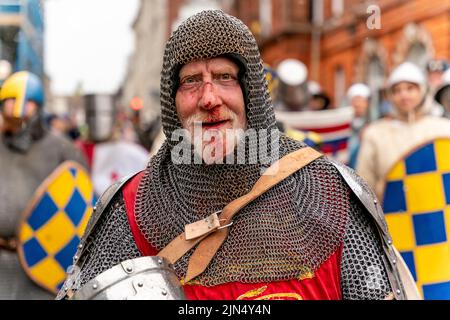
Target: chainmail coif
{"x": 286, "y": 233}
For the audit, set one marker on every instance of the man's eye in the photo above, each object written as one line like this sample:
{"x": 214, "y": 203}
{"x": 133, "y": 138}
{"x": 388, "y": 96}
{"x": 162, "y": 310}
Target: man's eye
{"x": 188, "y": 80}
{"x": 226, "y": 76}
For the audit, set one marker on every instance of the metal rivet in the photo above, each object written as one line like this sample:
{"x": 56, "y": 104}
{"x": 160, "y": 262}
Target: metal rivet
{"x": 80, "y": 246}
{"x": 164, "y": 293}
{"x": 94, "y": 286}
{"x": 160, "y": 261}
{"x": 65, "y": 289}
{"x": 95, "y": 208}
{"x": 75, "y": 257}
{"x": 389, "y": 241}
{"x": 375, "y": 201}
{"x": 394, "y": 261}
{"x": 140, "y": 284}
{"x": 129, "y": 269}
{"x": 398, "y": 291}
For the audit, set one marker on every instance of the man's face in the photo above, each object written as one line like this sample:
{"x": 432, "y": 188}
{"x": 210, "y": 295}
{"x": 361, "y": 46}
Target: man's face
{"x": 360, "y": 106}
{"x": 406, "y": 96}
{"x": 12, "y": 123}
{"x": 210, "y": 105}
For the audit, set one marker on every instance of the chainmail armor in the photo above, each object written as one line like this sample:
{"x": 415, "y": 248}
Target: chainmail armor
{"x": 112, "y": 243}
{"x": 363, "y": 275}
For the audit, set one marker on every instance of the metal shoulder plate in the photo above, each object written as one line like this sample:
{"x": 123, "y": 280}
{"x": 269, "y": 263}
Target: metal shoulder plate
{"x": 373, "y": 207}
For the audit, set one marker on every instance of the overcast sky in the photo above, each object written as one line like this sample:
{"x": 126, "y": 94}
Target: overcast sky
{"x": 88, "y": 42}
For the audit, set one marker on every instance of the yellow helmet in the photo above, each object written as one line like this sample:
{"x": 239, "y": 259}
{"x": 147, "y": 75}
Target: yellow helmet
{"x": 22, "y": 86}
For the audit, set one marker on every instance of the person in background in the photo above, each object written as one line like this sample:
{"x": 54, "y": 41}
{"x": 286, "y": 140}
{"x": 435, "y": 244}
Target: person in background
{"x": 359, "y": 97}
{"x": 57, "y": 124}
{"x": 385, "y": 141}
{"x": 29, "y": 153}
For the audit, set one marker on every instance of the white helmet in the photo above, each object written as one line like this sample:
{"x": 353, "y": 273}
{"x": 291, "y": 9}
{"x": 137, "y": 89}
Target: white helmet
{"x": 446, "y": 77}
{"x": 406, "y": 72}
{"x": 314, "y": 87}
{"x": 292, "y": 72}
{"x": 358, "y": 90}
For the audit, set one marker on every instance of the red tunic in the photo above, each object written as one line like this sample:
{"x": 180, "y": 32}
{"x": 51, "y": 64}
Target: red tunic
{"x": 324, "y": 284}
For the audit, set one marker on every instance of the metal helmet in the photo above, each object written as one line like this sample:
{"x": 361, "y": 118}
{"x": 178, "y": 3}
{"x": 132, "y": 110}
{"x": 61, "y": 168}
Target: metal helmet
{"x": 437, "y": 65}
{"x": 23, "y": 86}
{"x": 358, "y": 90}
{"x": 407, "y": 72}
{"x": 293, "y": 76}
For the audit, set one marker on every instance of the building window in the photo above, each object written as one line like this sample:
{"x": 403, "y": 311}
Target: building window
{"x": 417, "y": 54}
{"x": 317, "y": 12}
{"x": 375, "y": 81}
{"x": 337, "y": 7}
{"x": 265, "y": 17}
{"x": 339, "y": 85}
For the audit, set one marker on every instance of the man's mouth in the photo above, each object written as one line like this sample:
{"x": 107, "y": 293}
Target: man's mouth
{"x": 213, "y": 124}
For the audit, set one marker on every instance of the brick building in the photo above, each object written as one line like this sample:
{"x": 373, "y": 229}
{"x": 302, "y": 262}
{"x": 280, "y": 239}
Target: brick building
{"x": 343, "y": 41}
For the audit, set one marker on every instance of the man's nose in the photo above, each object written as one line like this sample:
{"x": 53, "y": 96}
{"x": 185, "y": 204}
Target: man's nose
{"x": 209, "y": 96}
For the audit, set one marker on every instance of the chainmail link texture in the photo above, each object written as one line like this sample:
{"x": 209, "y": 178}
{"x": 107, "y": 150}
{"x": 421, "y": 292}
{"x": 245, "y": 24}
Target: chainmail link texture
{"x": 286, "y": 233}
{"x": 363, "y": 274}
{"x": 112, "y": 243}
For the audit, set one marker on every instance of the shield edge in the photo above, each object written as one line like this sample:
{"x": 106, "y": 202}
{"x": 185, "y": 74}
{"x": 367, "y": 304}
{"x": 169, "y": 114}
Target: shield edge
{"x": 28, "y": 210}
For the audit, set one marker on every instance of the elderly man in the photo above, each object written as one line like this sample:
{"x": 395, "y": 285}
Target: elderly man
{"x": 307, "y": 237}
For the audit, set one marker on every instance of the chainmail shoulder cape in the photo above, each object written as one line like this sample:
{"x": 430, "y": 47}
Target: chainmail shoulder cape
{"x": 363, "y": 275}
{"x": 286, "y": 233}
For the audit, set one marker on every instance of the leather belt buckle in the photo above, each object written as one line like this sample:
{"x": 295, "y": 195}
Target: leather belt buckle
{"x": 202, "y": 227}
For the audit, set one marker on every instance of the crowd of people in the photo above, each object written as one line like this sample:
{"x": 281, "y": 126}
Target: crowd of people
{"x": 272, "y": 216}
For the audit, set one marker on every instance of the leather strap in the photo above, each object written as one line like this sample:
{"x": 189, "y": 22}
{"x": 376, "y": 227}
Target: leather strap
{"x": 206, "y": 250}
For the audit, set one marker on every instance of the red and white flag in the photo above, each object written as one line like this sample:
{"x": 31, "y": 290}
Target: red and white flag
{"x": 333, "y": 126}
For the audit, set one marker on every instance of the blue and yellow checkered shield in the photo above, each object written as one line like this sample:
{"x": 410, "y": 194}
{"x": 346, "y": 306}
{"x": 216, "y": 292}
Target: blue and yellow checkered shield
{"x": 53, "y": 224}
{"x": 416, "y": 203}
